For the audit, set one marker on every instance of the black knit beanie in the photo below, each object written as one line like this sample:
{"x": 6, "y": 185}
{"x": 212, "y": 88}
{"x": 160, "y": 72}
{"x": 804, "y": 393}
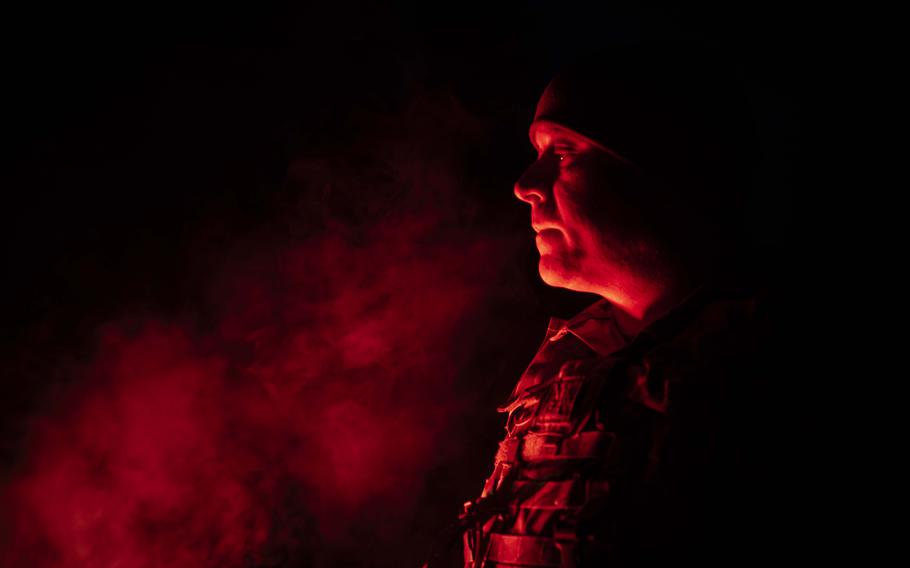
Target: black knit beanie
{"x": 676, "y": 110}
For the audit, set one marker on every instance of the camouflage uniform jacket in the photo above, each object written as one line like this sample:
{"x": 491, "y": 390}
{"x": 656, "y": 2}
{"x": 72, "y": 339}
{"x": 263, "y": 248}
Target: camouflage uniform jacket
{"x": 628, "y": 452}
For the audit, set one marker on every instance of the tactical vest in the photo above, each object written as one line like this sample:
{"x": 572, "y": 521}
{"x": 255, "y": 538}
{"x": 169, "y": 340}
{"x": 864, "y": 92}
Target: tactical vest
{"x": 573, "y": 476}
{"x": 577, "y": 422}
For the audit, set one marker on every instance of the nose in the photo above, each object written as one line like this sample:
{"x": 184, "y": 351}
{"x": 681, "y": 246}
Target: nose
{"x": 533, "y": 185}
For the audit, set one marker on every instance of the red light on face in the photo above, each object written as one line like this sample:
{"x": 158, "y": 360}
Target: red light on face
{"x": 548, "y": 240}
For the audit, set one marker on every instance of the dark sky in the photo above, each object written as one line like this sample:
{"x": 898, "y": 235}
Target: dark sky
{"x": 142, "y": 145}
{"x": 124, "y": 128}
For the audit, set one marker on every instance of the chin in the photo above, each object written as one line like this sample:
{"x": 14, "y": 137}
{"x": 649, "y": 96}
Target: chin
{"x": 555, "y": 273}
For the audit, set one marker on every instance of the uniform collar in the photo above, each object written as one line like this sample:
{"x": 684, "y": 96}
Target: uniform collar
{"x": 595, "y": 326}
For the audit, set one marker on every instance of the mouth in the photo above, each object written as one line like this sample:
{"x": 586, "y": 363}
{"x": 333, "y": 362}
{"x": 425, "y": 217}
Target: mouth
{"x": 547, "y": 238}
{"x": 542, "y": 227}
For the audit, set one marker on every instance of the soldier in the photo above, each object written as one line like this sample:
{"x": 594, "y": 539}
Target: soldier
{"x": 646, "y": 429}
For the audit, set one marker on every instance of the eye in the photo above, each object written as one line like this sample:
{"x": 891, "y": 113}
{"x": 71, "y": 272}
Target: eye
{"x": 562, "y": 152}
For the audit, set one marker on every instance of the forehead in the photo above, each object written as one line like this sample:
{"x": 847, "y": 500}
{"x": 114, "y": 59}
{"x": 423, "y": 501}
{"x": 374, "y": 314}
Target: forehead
{"x": 543, "y": 134}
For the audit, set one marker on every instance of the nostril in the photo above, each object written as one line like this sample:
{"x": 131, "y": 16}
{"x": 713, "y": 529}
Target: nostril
{"x": 531, "y": 186}
{"x": 518, "y": 191}
{"x": 526, "y": 190}
{"x": 528, "y": 194}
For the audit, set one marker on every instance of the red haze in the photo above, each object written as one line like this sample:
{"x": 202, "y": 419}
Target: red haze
{"x": 308, "y": 392}
{"x": 136, "y": 469}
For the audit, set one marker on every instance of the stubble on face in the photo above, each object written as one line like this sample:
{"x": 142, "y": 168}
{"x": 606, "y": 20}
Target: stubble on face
{"x": 605, "y": 242}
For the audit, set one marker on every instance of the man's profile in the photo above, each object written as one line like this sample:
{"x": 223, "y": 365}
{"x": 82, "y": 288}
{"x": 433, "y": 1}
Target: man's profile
{"x": 635, "y": 437}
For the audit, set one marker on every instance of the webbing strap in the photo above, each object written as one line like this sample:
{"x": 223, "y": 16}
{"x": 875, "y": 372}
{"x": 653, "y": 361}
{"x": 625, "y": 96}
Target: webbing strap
{"x": 523, "y": 550}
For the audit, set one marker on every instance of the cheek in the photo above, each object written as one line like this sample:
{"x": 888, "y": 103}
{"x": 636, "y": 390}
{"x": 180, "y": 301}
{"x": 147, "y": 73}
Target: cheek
{"x": 581, "y": 215}
{"x": 611, "y": 213}
{"x": 600, "y": 228}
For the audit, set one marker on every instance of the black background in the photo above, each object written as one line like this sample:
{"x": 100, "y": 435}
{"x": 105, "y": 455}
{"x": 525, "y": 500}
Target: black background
{"x": 127, "y": 129}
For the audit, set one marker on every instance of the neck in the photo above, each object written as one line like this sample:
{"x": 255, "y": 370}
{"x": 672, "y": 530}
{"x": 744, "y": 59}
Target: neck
{"x": 649, "y": 301}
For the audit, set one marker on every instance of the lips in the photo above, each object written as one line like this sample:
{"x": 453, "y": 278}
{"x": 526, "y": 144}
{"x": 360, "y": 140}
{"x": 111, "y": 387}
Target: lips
{"x": 548, "y": 239}
{"x": 539, "y": 227}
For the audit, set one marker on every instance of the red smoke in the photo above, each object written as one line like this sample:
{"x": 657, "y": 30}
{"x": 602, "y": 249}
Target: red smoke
{"x": 137, "y": 469}
{"x": 306, "y": 396}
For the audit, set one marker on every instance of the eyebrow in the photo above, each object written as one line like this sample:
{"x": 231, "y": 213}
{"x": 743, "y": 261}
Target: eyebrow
{"x": 556, "y": 135}
{"x": 567, "y": 140}
{"x": 554, "y": 139}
